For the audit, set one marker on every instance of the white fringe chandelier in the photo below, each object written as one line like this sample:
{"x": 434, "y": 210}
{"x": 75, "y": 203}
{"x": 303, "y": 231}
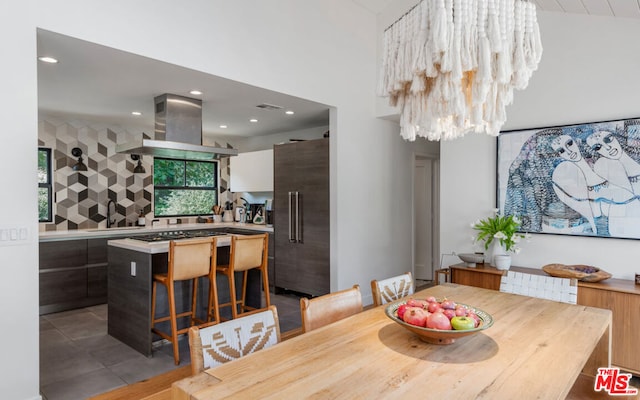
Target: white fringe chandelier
{"x": 451, "y": 65}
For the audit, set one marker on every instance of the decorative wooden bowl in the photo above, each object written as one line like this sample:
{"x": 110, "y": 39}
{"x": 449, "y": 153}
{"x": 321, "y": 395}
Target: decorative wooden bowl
{"x": 437, "y": 336}
{"x": 585, "y": 273}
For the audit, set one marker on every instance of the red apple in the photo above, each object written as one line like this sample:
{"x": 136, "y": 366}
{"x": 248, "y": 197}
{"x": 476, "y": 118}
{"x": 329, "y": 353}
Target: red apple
{"x": 438, "y": 321}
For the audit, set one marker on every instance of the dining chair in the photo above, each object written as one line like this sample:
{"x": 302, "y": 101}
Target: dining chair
{"x": 391, "y": 289}
{"x": 545, "y": 287}
{"x": 189, "y": 259}
{"x": 324, "y": 310}
{"x": 229, "y": 340}
{"x": 246, "y": 252}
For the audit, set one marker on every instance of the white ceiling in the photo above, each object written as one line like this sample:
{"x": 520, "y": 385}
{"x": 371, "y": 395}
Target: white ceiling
{"x": 610, "y": 8}
{"x": 99, "y": 83}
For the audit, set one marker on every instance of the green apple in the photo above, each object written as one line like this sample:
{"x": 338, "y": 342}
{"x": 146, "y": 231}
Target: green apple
{"x": 462, "y": 323}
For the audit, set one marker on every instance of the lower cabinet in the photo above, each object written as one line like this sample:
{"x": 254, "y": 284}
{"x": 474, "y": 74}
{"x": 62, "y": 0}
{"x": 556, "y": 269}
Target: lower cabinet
{"x": 621, "y": 296}
{"x": 73, "y": 274}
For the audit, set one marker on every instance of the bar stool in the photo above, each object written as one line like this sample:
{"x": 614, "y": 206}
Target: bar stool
{"x": 247, "y": 252}
{"x": 189, "y": 259}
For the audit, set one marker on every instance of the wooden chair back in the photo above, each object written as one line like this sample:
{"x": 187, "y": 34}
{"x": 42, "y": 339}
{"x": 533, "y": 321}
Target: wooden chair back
{"x": 249, "y": 252}
{"x": 229, "y": 340}
{"x": 191, "y": 258}
{"x": 332, "y": 307}
{"x": 564, "y": 290}
{"x": 391, "y": 289}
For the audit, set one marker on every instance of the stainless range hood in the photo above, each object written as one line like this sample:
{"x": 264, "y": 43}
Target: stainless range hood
{"x": 178, "y": 132}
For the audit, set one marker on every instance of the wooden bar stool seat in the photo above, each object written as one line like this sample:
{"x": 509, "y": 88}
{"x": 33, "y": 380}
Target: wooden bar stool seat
{"x": 189, "y": 259}
{"x": 247, "y": 252}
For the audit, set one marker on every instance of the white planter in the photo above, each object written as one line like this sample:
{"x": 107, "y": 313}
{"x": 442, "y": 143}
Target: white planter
{"x": 502, "y": 261}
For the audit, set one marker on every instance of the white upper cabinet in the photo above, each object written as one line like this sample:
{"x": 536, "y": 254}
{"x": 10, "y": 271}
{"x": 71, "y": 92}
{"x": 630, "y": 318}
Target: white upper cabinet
{"x": 252, "y": 171}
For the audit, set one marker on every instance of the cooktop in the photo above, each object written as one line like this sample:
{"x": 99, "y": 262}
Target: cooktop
{"x": 175, "y": 235}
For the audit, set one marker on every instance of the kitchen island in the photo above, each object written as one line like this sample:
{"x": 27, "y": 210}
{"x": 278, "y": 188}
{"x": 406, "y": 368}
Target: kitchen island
{"x": 132, "y": 264}
{"x": 73, "y": 263}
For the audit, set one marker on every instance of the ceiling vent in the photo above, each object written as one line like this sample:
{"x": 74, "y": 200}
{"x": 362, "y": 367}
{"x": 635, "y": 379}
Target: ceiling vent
{"x": 268, "y": 106}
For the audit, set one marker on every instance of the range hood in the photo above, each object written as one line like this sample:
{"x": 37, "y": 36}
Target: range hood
{"x": 178, "y": 132}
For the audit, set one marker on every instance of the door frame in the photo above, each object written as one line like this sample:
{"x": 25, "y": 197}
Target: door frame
{"x": 435, "y": 199}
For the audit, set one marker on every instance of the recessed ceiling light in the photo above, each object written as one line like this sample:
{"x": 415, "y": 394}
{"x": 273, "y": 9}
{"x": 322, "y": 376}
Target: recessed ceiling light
{"x": 49, "y": 60}
{"x": 289, "y": 112}
{"x": 136, "y": 113}
{"x": 223, "y": 126}
{"x": 196, "y": 92}
{"x": 253, "y": 120}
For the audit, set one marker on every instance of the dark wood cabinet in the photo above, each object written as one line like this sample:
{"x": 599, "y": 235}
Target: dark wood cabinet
{"x": 97, "y": 262}
{"x": 301, "y": 216}
{"x": 73, "y": 274}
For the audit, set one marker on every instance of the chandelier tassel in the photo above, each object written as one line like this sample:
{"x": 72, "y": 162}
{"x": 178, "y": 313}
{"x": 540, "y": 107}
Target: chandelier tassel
{"x": 451, "y": 65}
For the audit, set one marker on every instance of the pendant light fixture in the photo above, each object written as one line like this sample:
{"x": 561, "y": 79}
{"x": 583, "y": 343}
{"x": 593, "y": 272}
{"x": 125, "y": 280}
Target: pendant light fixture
{"x": 79, "y": 166}
{"x": 139, "y": 169}
{"x": 451, "y": 65}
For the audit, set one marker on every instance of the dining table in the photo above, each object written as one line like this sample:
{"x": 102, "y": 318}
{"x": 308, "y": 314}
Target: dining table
{"x": 535, "y": 349}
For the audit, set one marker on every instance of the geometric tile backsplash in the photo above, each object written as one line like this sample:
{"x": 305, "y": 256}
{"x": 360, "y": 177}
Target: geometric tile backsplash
{"x": 81, "y": 197}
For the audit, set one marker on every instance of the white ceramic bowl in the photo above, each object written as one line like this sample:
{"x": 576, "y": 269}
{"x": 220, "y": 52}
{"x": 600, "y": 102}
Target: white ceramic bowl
{"x": 471, "y": 258}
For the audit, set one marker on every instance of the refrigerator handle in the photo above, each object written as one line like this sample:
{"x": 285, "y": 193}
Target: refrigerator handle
{"x": 298, "y": 238}
{"x": 291, "y": 238}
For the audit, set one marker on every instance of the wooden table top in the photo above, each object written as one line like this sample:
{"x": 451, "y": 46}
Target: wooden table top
{"x": 535, "y": 349}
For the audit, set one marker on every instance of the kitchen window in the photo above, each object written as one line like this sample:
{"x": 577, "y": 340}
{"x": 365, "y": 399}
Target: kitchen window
{"x": 184, "y": 187}
{"x": 44, "y": 185}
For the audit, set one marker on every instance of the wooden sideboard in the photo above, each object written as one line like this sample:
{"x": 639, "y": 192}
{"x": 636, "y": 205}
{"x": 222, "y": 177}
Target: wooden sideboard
{"x": 621, "y": 296}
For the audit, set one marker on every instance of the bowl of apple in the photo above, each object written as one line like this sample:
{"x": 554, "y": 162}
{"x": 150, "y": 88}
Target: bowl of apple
{"x": 438, "y": 321}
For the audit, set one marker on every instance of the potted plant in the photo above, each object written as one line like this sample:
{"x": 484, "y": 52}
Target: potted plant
{"x": 500, "y": 236}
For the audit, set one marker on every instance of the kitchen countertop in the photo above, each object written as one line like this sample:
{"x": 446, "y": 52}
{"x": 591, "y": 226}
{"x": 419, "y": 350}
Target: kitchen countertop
{"x": 157, "y": 247}
{"x": 135, "y": 230}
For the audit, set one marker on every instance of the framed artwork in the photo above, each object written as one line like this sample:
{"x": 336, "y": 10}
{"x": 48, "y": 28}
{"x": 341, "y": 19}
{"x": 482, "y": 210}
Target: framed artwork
{"x": 574, "y": 179}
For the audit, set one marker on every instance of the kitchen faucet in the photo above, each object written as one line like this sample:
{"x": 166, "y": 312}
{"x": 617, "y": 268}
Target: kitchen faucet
{"x": 109, "y": 221}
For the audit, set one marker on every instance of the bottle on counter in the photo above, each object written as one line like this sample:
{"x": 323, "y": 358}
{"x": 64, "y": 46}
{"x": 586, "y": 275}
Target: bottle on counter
{"x": 141, "y": 219}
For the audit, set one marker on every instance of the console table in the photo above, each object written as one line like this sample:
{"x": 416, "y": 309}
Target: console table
{"x": 621, "y": 296}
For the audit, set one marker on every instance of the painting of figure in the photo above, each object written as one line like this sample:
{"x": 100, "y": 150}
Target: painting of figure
{"x": 574, "y": 179}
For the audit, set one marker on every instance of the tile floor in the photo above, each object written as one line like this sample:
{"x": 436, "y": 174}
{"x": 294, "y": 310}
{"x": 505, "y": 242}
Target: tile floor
{"x": 79, "y": 360}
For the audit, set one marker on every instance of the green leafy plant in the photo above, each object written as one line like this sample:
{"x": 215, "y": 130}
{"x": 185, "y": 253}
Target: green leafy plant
{"x": 500, "y": 227}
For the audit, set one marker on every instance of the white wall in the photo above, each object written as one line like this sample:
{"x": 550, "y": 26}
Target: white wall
{"x": 588, "y": 73}
{"x": 18, "y": 206}
{"x": 321, "y": 50}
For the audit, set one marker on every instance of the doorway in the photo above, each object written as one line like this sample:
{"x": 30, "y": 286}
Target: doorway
{"x": 426, "y": 224}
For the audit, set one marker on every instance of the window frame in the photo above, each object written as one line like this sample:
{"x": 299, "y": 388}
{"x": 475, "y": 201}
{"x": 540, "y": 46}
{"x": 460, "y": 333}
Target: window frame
{"x": 47, "y": 185}
{"x": 216, "y": 187}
